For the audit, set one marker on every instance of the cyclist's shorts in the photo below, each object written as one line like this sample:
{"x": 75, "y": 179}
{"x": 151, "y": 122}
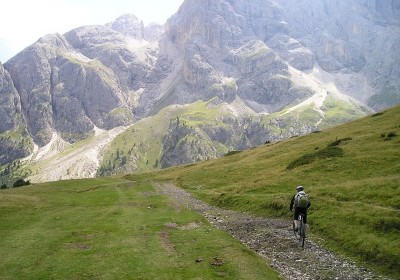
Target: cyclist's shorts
{"x": 297, "y": 212}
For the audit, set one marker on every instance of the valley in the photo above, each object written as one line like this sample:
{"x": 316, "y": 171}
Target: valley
{"x": 282, "y": 72}
{"x": 133, "y": 151}
{"x": 88, "y": 223}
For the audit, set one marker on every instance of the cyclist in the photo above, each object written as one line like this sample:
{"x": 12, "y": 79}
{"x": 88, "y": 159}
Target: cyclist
{"x": 301, "y": 203}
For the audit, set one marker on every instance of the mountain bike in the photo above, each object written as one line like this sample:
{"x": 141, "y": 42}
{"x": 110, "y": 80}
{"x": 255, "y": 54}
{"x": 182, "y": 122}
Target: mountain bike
{"x": 301, "y": 233}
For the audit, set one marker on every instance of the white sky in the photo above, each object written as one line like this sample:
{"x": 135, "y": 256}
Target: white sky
{"x": 23, "y": 22}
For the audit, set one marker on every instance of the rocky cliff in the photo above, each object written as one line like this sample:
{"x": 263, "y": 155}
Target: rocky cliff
{"x": 279, "y": 68}
{"x": 255, "y": 43}
{"x": 89, "y": 77}
{"x": 357, "y": 40}
{"x": 14, "y": 139}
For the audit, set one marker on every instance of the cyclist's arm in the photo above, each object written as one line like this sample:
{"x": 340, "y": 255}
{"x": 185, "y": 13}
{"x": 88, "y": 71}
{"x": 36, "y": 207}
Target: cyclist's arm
{"x": 291, "y": 203}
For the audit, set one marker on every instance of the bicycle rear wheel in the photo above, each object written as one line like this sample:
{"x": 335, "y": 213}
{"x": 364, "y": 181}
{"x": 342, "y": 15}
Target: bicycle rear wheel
{"x": 302, "y": 232}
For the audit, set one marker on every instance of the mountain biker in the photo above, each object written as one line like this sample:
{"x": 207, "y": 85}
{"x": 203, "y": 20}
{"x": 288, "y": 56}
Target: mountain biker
{"x": 300, "y": 207}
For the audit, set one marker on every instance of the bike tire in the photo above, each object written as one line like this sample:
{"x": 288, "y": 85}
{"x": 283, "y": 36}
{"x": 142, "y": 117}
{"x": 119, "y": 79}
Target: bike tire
{"x": 302, "y": 234}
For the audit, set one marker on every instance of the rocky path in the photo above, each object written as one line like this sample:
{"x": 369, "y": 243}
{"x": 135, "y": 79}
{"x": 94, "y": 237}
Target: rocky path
{"x": 273, "y": 239}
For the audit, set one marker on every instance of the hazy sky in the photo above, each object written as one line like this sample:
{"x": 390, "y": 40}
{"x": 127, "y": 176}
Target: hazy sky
{"x": 23, "y": 22}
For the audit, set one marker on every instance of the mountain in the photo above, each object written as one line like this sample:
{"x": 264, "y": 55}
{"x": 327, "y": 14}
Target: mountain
{"x": 261, "y": 71}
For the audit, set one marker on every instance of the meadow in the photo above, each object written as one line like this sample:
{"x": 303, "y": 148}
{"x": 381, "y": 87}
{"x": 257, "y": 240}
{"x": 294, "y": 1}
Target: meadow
{"x": 114, "y": 229}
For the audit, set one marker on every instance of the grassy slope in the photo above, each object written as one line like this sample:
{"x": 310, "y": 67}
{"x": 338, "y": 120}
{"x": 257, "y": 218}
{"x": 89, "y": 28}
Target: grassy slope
{"x": 141, "y": 144}
{"x": 355, "y": 197}
{"x": 113, "y": 229}
{"x": 79, "y": 229}
{"x": 140, "y": 147}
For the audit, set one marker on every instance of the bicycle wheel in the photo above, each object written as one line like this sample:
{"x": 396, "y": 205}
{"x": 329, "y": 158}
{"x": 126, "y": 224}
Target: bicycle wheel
{"x": 302, "y": 233}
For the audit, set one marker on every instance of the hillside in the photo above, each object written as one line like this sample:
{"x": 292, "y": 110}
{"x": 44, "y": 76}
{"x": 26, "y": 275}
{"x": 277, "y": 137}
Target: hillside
{"x": 181, "y": 134}
{"x": 351, "y": 173}
{"x": 81, "y": 228}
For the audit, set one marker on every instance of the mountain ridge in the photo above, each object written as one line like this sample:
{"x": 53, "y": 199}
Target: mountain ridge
{"x": 114, "y": 75}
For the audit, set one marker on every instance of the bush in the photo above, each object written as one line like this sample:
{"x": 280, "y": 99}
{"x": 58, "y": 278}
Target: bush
{"x": 305, "y": 159}
{"x": 20, "y": 183}
{"x": 377, "y": 114}
{"x": 328, "y": 152}
{"x": 389, "y": 136}
{"x": 232, "y": 153}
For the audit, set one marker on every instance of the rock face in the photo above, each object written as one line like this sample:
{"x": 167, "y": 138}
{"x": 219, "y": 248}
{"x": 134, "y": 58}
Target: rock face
{"x": 9, "y": 99}
{"x": 359, "y": 37}
{"x": 300, "y": 58}
{"x": 88, "y": 77}
{"x": 255, "y": 42}
{"x": 14, "y": 139}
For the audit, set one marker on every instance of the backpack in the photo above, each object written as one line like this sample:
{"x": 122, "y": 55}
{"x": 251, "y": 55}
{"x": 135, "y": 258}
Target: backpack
{"x": 301, "y": 200}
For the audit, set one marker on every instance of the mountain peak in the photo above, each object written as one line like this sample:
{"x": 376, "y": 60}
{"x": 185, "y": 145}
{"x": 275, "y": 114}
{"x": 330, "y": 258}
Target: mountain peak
{"x": 129, "y": 25}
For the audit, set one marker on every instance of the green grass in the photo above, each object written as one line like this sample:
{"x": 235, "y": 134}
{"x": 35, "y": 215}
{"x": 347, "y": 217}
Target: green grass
{"x": 355, "y": 191}
{"x": 339, "y": 111}
{"x": 113, "y": 229}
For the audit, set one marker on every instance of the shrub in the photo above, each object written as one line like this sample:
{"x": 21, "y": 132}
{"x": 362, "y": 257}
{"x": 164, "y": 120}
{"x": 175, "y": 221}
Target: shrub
{"x": 389, "y": 136}
{"x": 305, "y": 159}
{"x": 232, "y": 153}
{"x": 20, "y": 183}
{"x": 377, "y": 114}
{"x": 392, "y": 135}
{"x": 328, "y": 152}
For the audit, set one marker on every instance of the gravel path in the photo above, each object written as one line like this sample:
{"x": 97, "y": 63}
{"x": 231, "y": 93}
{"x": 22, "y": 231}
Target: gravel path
{"x": 274, "y": 240}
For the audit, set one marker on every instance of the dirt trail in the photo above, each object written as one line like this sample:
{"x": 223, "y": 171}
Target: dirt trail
{"x": 273, "y": 239}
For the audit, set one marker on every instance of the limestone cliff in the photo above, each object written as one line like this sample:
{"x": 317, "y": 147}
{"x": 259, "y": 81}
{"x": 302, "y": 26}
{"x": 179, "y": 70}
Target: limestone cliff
{"x": 253, "y": 43}
{"x": 14, "y": 138}
{"x": 88, "y": 77}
